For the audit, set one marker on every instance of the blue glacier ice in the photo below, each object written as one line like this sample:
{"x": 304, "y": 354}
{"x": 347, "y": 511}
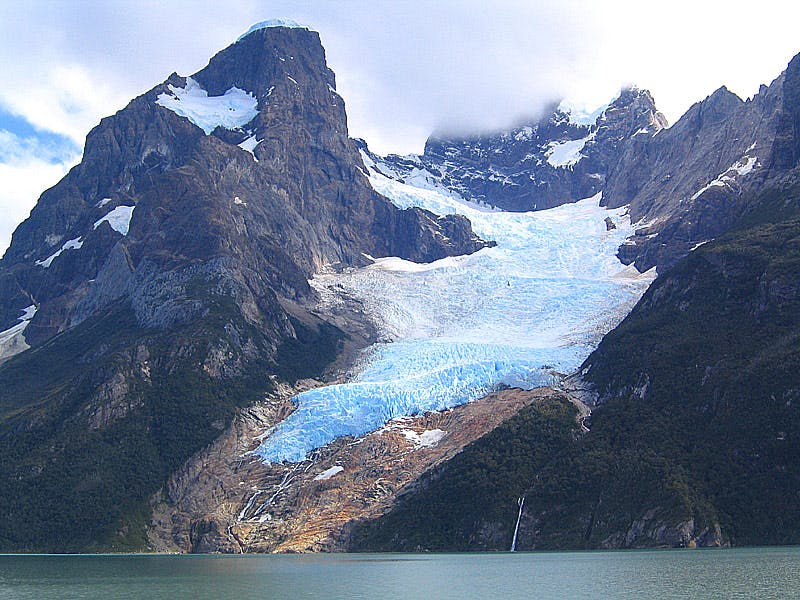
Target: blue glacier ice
{"x": 515, "y": 315}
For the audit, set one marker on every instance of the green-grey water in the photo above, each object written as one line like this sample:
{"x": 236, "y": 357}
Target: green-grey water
{"x": 736, "y": 573}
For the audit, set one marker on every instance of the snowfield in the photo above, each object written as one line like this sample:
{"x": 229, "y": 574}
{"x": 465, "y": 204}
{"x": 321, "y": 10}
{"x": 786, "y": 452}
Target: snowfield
{"x": 566, "y": 154}
{"x": 235, "y": 108}
{"x": 12, "y": 340}
{"x": 119, "y": 219}
{"x": 520, "y": 314}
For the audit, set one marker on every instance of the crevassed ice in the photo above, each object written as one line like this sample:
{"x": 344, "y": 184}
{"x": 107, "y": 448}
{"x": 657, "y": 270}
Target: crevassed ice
{"x": 233, "y": 109}
{"x": 514, "y": 315}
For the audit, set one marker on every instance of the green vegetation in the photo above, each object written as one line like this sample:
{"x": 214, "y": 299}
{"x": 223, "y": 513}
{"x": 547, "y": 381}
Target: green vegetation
{"x": 81, "y": 460}
{"x": 700, "y": 420}
{"x": 470, "y": 503}
{"x": 76, "y": 478}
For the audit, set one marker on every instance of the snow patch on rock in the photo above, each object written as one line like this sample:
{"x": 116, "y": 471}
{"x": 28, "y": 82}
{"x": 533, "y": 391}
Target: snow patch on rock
{"x": 74, "y": 244}
{"x": 565, "y": 154}
{"x": 119, "y": 219}
{"x": 235, "y": 108}
{"x": 328, "y": 473}
{"x": 741, "y": 167}
{"x": 12, "y": 340}
{"x": 249, "y": 145}
{"x": 427, "y": 439}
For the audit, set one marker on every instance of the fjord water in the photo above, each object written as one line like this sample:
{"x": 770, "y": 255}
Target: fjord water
{"x": 722, "y": 573}
{"x": 456, "y": 329}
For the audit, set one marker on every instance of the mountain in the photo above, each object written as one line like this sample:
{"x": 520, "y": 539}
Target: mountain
{"x": 684, "y": 184}
{"x": 182, "y": 320}
{"x": 694, "y": 437}
{"x": 537, "y": 165}
{"x": 694, "y": 432}
{"x": 164, "y": 283}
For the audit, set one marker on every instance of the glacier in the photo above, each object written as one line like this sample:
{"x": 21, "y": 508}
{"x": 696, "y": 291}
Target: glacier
{"x": 520, "y": 314}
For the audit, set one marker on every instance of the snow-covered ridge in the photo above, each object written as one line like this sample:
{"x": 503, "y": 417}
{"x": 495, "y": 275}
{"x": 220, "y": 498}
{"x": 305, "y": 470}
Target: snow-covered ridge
{"x": 458, "y": 328}
{"x": 235, "y": 108}
{"x": 288, "y": 23}
{"x": 119, "y": 219}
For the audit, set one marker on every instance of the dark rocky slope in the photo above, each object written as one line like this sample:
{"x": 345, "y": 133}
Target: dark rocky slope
{"x": 148, "y": 338}
{"x": 685, "y": 184}
{"x": 529, "y": 167}
{"x": 696, "y": 436}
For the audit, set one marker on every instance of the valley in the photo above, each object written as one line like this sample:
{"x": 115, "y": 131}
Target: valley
{"x": 233, "y": 328}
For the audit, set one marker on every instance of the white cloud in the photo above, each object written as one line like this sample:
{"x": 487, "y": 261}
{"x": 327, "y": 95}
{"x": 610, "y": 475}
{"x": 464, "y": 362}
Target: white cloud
{"x": 65, "y": 99}
{"x": 404, "y": 68}
{"x": 26, "y": 169}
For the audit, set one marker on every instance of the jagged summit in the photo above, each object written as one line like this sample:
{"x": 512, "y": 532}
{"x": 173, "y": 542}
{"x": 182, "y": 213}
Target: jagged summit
{"x": 258, "y": 141}
{"x": 685, "y": 184}
{"x": 164, "y": 282}
{"x": 271, "y": 23}
{"x": 539, "y": 164}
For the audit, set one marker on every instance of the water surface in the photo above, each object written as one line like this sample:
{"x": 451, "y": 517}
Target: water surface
{"x": 738, "y": 573}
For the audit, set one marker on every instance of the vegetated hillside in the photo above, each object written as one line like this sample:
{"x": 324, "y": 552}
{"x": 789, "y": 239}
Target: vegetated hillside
{"x": 82, "y": 454}
{"x": 181, "y": 292}
{"x": 697, "y": 436}
{"x": 470, "y": 502}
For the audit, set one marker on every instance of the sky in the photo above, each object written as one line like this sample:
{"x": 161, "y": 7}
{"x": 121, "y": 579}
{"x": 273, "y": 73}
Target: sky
{"x": 405, "y": 68}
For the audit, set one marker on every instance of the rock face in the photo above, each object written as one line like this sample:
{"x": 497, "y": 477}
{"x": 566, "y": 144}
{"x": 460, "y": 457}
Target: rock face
{"x": 537, "y": 165}
{"x": 169, "y": 276}
{"x": 293, "y": 204}
{"x": 226, "y": 501}
{"x": 685, "y": 184}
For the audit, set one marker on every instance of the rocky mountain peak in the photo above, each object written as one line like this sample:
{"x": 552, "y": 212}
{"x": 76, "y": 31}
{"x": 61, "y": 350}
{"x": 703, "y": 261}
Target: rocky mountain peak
{"x": 538, "y": 164}
{"x": 164, "y": 283}
{"x": 245, "y": 163}
{"x": 786, "y": 149}
{"x": 264, "y": 58}
{"x": 631, "y": 111}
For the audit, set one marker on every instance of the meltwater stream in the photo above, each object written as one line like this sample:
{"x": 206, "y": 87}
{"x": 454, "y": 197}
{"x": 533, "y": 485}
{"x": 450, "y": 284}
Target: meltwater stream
{"x": 517, "y": 315}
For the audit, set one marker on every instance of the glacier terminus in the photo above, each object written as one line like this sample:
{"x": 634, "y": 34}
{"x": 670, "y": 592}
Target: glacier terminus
{"x": 520, "y": 314}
